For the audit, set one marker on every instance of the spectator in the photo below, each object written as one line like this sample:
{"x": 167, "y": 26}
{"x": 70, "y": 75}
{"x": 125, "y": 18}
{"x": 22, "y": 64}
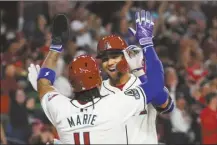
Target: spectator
{"x": 210, "y": 44}
{"x": 171, "y": 81}
{"x": 5, "y": 103}
{"x": 181, "y": 122}
{"x": 45, "y": 136}
{"x": 9, "y": 82}
{"x": 209, "y": 120}
{"x": 210, "y": 64}
{"x": 185, "y": 39}
{"x": 33, "y": 112}
{"x": 18, "y": 116}
{"x": 37, "y": 126}
{"x": 39, "y": 35}
{"x": 63, "y": 6}
{"x": 196, "y": 13}
{"x": 83, "y": 37}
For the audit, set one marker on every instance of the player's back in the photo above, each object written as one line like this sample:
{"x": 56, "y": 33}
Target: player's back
{"x": 84, "y": 123}
{"x": 100, "y": 123}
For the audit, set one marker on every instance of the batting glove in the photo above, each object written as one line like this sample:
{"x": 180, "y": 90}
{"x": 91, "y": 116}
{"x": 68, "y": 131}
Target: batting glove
{"x": 33, "y": 75}
{"x": 134, "y": 57}
{"x": 144, "y": 29}
{"x": 60, "y": 32}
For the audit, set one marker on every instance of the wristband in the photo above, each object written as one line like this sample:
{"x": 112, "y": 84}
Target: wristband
{"x": 146, "y": 41}
{"x": 48, "y": 74}
{"x": 57, "y": 48}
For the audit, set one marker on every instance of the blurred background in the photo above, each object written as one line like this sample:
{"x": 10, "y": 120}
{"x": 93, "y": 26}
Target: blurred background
{"x": 185, "y": 38}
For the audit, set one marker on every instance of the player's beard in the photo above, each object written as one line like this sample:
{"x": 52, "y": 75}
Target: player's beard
{"x": 115, "y": 79}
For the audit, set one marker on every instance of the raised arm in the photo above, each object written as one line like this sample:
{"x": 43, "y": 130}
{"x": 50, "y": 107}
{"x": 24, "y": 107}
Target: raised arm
{"x": 153, "y": 85}
{"x": 135, "y": 61}
{"x": 47, "y": 74}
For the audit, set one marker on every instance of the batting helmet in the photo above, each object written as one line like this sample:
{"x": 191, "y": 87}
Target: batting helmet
{"x": 110, "y": 43}
{"x": 84, "y": 73}
{"x": 114, "y": 44}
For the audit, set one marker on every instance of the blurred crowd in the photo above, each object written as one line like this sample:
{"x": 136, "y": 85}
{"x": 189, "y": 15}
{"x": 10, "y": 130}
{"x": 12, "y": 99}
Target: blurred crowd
{"x": 185, "y": 39}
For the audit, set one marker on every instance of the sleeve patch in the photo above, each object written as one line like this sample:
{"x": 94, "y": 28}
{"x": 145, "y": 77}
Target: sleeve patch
{"x": 133, "y": 93}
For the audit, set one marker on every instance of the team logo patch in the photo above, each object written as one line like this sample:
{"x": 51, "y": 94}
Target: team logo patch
{"x": 133, "y": 93}
{"x": 107, "y": 45}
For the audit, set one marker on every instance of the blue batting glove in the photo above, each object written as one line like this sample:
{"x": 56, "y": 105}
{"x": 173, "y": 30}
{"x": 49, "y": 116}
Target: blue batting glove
{"x": 144, "y": 29}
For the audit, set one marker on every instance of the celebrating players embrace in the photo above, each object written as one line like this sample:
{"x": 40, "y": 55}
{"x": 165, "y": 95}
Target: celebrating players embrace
{"x": 120, "y": 110}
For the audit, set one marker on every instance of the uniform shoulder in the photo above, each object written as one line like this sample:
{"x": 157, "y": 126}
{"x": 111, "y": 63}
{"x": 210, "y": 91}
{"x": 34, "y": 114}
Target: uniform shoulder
{"x": 106, "y": 88}
{"x": 51, "y": 95}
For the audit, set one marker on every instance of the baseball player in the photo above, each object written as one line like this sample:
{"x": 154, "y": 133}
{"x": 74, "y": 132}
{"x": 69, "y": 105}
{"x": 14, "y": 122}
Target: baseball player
{"x": 140, "y": 129}
{"x": 90, "y": 118}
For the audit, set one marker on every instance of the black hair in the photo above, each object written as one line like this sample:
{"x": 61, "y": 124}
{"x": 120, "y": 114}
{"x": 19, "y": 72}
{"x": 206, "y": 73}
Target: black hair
{"x": 88, "y": 95}
{"x": 210, "y": 96}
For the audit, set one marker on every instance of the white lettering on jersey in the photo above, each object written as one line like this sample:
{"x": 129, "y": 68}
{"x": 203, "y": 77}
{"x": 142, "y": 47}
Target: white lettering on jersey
{"x": 82, "y": 120}
{"x": 101, "y": 124}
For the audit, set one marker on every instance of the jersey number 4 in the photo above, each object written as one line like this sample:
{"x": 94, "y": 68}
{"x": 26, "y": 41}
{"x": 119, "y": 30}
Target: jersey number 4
{"x": 82, "y": 138}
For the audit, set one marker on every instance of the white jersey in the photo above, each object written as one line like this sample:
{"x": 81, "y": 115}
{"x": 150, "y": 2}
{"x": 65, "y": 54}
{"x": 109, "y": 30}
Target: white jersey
{"x": 140, "y": 128}
{"x": 93, "y": 124}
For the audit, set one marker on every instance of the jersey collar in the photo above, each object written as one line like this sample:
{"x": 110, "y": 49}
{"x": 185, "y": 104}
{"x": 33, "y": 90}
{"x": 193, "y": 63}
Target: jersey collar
{"x": 113, "y": 89}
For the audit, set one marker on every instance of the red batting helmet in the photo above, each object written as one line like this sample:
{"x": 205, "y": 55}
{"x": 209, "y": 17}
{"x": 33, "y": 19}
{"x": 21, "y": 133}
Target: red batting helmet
{"x": 110, "y": 43}
{"x": 113, "y": 43}
{"x": 84, "y": 73}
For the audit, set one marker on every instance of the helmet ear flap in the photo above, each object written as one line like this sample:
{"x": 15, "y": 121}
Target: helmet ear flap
{"x": 122, "y": 66}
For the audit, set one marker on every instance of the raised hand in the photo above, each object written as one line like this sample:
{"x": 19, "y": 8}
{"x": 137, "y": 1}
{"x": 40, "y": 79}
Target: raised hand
{"x": 147, "y": 22}
{"x": 144, "y": 28}
{"x": 33, "y": 75}
{"x": 60, "y": 32}
{"x": 134, "y": 57}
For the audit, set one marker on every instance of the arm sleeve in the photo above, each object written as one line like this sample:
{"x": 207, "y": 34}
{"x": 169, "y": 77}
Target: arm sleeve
{"x": 154, "y": 73}
{"x": 160, "y": 99}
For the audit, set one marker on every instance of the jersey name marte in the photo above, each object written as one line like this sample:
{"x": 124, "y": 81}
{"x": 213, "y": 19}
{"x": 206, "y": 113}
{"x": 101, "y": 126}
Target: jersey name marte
{"x": 82, "y": 120}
